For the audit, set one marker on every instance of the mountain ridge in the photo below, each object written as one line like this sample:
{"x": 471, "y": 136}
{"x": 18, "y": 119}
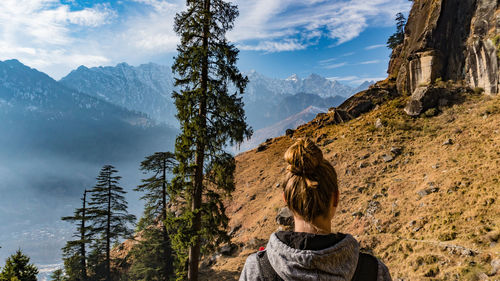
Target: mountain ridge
{"x": 147, "y": 88}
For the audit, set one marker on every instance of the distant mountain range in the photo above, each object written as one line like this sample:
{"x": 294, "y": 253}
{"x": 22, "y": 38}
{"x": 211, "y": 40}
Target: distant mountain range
{"x": 40, "y": 114}
{"x": 147, "y": 88}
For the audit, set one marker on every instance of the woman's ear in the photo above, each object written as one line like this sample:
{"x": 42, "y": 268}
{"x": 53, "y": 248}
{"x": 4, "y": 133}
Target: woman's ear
{"x": 335, "y": 199}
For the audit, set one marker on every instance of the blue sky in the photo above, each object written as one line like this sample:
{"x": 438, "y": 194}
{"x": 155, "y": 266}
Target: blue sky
{"x": 339, "y": 39}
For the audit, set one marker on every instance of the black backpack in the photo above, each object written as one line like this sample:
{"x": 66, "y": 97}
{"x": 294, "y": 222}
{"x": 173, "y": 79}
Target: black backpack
{"x": 366, "y": 270}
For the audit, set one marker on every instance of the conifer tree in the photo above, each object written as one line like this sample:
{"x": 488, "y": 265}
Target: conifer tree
{"x": 75, "y": 257}
{"x": 57, "y": 275}
{"x": 153, "y": 254}
{"x": 210, "y": 117}
{"x": 398, "y": 37}
{"x": 109, "y": 216}
{"x": 18, "y": 268}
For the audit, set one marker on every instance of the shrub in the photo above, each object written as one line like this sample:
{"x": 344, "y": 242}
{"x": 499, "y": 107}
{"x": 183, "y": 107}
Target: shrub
{"x": 478, "y": 90}
{"x": 431, "y": 112}
{"x": 447, "y": 236}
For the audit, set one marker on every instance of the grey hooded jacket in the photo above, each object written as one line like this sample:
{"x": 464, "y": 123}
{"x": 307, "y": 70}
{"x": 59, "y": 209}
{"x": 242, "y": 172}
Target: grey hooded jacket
{"x": 337, "y": 262}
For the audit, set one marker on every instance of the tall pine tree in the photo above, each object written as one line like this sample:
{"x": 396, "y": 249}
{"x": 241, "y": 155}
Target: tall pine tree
{"x": 210, "y": 118}
{"x": 153, "y": 254}
{"x": 75, "y": 257}
{"x": 109, "y": 216}
{"x": 18, "y": 268}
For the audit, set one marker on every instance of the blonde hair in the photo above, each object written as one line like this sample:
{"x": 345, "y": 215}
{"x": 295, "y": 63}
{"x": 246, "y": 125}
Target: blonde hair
{"x": 310, "y": 184}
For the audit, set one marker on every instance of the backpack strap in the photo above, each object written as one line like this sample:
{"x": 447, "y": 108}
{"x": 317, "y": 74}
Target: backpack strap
{"x": 267, "y": 271}
{"x": 367, "y": 268}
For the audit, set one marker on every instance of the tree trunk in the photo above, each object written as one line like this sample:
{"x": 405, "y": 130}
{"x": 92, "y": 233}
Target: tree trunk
{"x": 108, "y": 234}
{"x": 194, "y": 251}
{"x": 167, "y": 255}
{"x": 82, "y": 238}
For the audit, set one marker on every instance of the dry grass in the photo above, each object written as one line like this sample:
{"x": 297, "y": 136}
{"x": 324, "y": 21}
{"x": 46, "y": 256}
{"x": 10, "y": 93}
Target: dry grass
{"x": 415, "y": 236}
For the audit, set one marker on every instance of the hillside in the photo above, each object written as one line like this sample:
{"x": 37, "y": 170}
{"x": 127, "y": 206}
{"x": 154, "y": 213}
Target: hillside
{"x": 147, "y": 89}
{"x": 421, "y": 194}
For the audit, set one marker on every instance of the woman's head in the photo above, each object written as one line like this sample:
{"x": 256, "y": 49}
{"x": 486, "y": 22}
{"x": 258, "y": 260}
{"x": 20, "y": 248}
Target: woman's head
{"x": 310, "y": 186}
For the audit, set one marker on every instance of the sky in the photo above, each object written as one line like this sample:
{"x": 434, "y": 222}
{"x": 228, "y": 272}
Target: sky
{"x": 339, "y": 39}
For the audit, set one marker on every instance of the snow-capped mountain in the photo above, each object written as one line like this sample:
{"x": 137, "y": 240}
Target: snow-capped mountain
{"x": 146, "y": 88}
{"x": 26, "y": 91}
{"x": 261, "y": 86}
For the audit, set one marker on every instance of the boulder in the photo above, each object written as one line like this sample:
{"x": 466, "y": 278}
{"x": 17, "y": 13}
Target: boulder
{"x": 448, "y": 142}
{"x": 363, "y": 165}
{"x": 387, "y": 158}
{"x": 495, "y": 266}
{"x": 228, "y": 250}
{"x": 284, "y": 217}
{"x": 396, "y": 150}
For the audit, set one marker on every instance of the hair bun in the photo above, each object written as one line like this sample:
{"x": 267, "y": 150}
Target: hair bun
{"x": 303, "y": 157}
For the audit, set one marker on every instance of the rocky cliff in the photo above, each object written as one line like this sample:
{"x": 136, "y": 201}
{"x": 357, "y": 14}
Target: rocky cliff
{"x": 452, "y": 40}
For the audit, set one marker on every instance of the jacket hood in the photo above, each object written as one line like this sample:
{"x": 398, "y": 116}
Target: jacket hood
{"x": 337, "y": 262}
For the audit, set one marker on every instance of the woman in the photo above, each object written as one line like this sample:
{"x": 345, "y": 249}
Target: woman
{"x": 311, "y": 252}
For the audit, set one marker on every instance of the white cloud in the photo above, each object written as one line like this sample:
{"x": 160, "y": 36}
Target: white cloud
{"x": 346, "y": 78}
{"x": 348, "y": 54}
{"x": 326, "y": 61}
{"x": 270, "y": 46}
{"x": 279, "y": 20}
{"x": 56, "y": 38}
{"x": 40, "y": 32}
{"x": 370, "y": 62}
{"x": 336, "y": 65}
{"x": 159, "y": 5}
{"x": 375, "y": 46}
{"x": 356, "y": 80}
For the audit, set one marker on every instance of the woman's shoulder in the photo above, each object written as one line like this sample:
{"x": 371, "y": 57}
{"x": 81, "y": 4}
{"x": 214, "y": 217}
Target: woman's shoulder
{"x": 251, "y": 269}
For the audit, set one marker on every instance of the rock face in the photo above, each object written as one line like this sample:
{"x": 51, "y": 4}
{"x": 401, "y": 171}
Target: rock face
{"x": 452, "y": 40}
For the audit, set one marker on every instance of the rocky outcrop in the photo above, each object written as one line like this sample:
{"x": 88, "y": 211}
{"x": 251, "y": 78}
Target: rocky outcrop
{"x": 449, "y": 40}
{"x": 435, "y": 96}
{"x": 482, "y": 54}
{"x": 356, "y": 105}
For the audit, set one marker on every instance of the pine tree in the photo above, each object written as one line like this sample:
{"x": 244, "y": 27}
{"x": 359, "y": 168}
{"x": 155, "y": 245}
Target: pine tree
{"x": 109, "y": 216}
{"x": 75, "y": 251}
{"x": 18, "y": 268}
{"x": 153, "y": 254}
{"x": 210, "y": 118}
{"x": 57, "y": 275}
{"x": 398, "y": 37}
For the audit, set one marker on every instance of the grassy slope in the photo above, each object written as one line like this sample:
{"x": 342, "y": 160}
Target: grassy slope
{"x": 411, "y": 234}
